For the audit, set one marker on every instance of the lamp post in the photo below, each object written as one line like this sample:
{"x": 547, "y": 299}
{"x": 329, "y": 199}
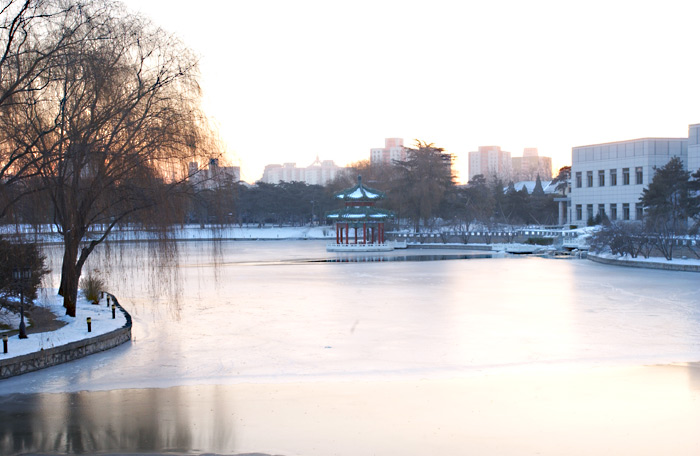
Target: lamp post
{"x": 21, "y": 275}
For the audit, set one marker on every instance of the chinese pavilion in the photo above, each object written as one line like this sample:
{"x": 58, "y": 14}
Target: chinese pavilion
{"x": 359, "y": 226}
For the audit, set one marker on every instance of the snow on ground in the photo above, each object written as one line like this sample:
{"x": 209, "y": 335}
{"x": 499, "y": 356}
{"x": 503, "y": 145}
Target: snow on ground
{"x": 75, "y": 329}
{"x": 9, "y": 318}
{"x": 651, "y": 260}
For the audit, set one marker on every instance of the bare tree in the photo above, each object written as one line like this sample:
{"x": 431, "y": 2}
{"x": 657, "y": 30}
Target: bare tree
{"x": 26, "y": 62}
{"x": 111, "y": 130}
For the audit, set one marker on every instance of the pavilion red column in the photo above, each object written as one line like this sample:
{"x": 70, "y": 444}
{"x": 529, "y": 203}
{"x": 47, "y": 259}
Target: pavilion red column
{"x": 364, "y": 233}
{"x": 381, "y": 233}
{"x": 347, "y": 233}
{"x": 355, "y": 234}
{"x": 337, "y": 233}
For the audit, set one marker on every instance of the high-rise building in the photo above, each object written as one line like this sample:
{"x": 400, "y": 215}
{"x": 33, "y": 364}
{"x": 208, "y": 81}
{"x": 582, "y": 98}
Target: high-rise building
{"x": 490, "y": 161}
{"x": 214, "y": 175}
{"x": 393, "y": 150}
{"x": 531, "y": 165}
{"x": 318, "y": 173}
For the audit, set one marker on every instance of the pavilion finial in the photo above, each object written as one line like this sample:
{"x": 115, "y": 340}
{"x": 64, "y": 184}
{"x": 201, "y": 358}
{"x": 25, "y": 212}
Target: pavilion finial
{"x": 359, "y": 179}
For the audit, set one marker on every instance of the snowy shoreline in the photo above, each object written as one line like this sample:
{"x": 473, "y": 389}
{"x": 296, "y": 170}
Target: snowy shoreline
{"x": 677, "y": 264}
{"x": 75, "y": 329}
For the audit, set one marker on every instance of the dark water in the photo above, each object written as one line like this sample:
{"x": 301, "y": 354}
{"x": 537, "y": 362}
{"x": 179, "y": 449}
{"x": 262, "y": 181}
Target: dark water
{"x": 387, "y": 258}
{"x": 168, "y": 420}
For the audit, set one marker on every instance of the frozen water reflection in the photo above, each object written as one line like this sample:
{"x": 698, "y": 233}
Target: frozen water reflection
{"x": 270, "y": 311}
{"x": 248, "y": 336}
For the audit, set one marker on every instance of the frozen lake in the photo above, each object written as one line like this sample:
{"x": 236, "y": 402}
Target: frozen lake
{"x": 255, "y": 313}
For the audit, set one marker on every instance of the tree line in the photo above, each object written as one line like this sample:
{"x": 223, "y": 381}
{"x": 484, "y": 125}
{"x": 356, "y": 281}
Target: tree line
{"x": 421, "y": 190}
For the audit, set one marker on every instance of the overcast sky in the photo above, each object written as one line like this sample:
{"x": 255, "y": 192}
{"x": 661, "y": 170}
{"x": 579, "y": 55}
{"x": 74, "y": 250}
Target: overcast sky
{"x": 289, "y": 80}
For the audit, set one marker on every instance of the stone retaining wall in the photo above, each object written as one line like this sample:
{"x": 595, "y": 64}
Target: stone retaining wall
{"x": 74, "y": 350}
{"x": 645, "y": 264}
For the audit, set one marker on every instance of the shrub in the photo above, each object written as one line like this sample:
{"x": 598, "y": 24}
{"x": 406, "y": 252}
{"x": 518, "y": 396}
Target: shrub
{"x": 13, "y": 256}
{"x": 91, "y": 286}
{"x": 539, "y": 241}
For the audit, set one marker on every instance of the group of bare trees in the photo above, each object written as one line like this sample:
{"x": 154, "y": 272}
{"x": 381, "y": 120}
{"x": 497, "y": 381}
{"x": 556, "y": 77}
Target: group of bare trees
{"x": 672, "y": 216}
{"x": 99, "y": 116}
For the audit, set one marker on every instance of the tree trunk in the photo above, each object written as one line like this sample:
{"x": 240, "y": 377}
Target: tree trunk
{"x": 70, "y": 274}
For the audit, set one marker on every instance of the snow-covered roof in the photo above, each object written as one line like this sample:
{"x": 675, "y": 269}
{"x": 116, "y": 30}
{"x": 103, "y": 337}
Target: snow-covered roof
{"x": 549, "y": 187}
{"x": 360, "y": 192}
{"x": 357, "y": 213}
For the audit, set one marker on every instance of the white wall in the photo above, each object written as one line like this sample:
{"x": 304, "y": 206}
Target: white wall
{"x": 646, "y": 154}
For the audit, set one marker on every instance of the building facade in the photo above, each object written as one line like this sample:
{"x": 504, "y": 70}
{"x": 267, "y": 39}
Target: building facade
{"x": 693, "y": 148}
{"x": 608, "y": 179}
{"x": 393, "y": 150}
{"x": 490, "y": 161}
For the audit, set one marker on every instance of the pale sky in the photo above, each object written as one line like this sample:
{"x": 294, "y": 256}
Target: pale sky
{"x": 289, "y": 80}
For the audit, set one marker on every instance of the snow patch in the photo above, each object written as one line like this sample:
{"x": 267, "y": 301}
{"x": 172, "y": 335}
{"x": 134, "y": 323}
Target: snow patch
{"x": 75, "y": 329}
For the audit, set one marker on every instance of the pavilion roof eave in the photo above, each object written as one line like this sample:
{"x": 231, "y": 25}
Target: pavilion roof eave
{"x": 359, "y": 193}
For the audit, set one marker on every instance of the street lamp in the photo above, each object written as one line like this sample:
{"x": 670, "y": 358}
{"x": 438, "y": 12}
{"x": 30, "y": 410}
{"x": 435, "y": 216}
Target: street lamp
{"x": 22, "y": 275}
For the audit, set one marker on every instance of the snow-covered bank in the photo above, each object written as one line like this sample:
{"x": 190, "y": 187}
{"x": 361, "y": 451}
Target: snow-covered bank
{"x": 677, "y": 264}
{"x": 189, "y": 233}
{"x": 74, "y": 330}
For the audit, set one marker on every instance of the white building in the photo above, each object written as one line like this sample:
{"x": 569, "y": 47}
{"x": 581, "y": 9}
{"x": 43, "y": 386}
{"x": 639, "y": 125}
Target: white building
{"x": 693, "y": 148}
{"x": 318, "y": 173}
{"x": 490, "y": 161}
{"x": 609, "y": 178}
{"x": 393, "y": 150}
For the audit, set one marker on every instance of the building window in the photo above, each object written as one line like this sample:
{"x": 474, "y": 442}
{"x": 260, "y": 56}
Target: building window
{"x": 613, "y": 177}
{"x": 601, "y": 178}
{"x": 601, "y": 211}
{"x": 589, "y": 211}
{"x": 625, "y": 211}
{"x": 625, "y": 176}
{"x": 640, "y": 175}
{"x": 578, "y": 180}
{"x": 639, "y": 211}
{"x": 589, "y": 178}
{"x": 613, "y": 211}
{"x": 579, "y": 212}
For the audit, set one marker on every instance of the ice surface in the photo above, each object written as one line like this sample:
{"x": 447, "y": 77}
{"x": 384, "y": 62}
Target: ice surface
{"x": 244, "y": 312}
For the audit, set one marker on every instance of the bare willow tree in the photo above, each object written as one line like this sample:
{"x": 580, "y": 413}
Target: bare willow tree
{"x": 110, "y": 128}
{"x": 26, "y": 62}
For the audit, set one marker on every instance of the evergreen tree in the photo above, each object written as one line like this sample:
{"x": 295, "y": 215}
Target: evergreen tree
{"x": 669, "y": 204}
{"x": 423, "y": 179}
{"x": 538, "y": 190}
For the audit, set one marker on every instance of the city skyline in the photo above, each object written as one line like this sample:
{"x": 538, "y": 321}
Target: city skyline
{"x": 287, "y": 81}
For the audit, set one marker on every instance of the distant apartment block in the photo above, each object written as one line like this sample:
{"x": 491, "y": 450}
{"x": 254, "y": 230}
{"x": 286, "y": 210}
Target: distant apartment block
{"x": 608, "y": 179}
{"x": 531, "y": 165}
{"x": 214, "y": 175}
{"x": 490, "y": 161}
{"x": 393, "y": 150}
{"x": 318, "y": 173}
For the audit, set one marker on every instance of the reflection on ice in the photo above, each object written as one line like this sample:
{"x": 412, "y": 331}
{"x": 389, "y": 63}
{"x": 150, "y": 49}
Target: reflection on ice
{"x": 265, "y": 311}
{"x": 253, "y": 336}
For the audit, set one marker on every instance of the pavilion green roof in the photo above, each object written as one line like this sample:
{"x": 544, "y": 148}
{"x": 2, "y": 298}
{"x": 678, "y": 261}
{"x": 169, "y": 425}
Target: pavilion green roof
{"x": 360, "y": 193}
